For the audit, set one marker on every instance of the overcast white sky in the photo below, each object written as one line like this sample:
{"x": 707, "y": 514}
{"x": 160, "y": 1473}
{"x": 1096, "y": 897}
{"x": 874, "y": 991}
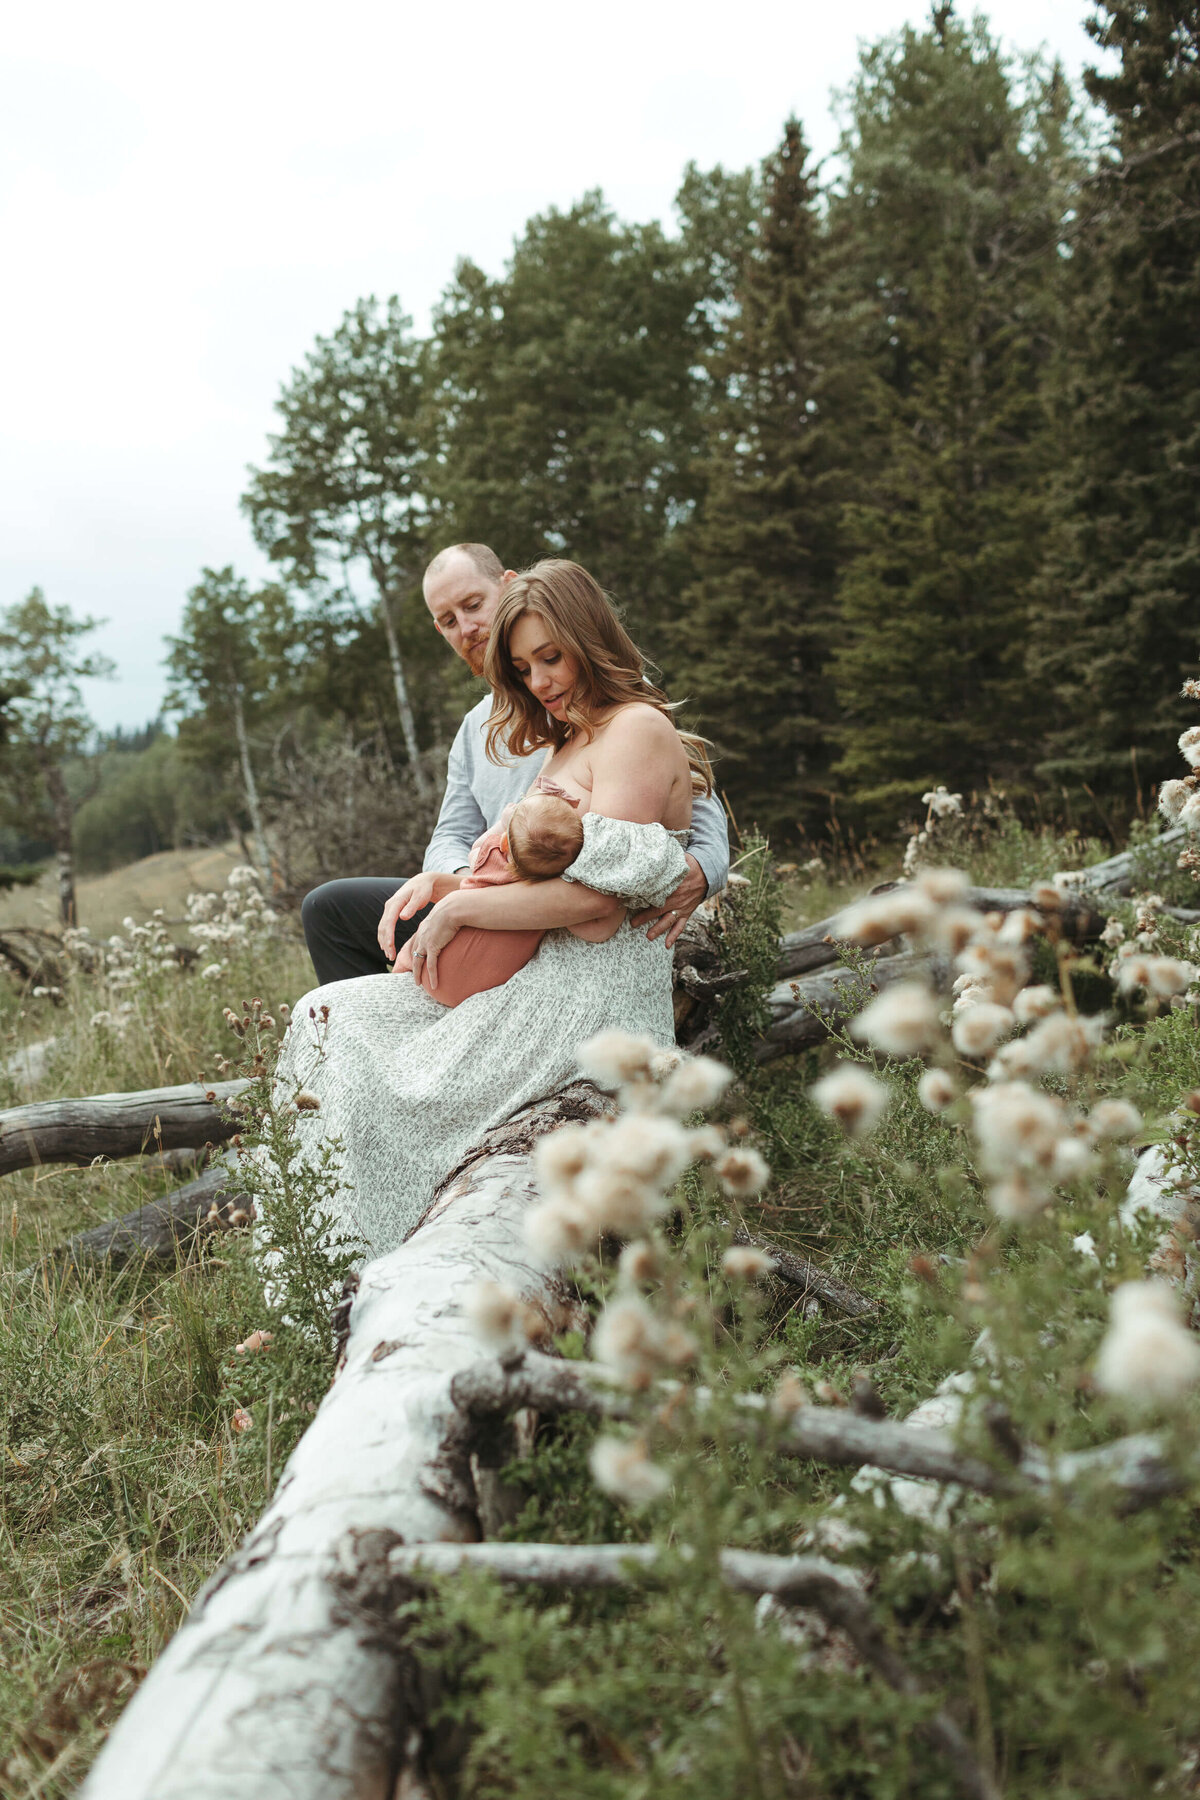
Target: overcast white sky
{"x": 188, "y": 196}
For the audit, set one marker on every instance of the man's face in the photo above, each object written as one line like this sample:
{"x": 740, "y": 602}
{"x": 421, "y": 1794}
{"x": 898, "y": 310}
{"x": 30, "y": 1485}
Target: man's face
{"x": 462, "y": 604}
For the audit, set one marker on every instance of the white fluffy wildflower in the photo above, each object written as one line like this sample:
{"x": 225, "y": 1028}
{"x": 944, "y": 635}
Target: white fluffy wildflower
{"x": 1191, "y": 688}
{"x": 638, "y": 1262}
{"x": 743, "y": 1263}
{"x": 1017, "y": 1197}
{"x": 1020, "y": 925}
{"x": 1189, "y": 746}
{"x": 612, "y": 1059}
{"x": 855, "y": 1099}
{"x": 1161, "y": 976}
{"x": 497, "y": 1316}
{"x": 1036, "y": 1003}
{"x": 211, "y": 971}
{"x": 953, "y": 929}
{"x": 1003, "y": 967}
{"x": 936, "y": 1090}
{"x": 903, "y": 1021}
{"x": 706, "y": 1143}
{"x": 634, "y": 1344}
{"x": 622, "y": 1469}
{"x": 903, "y": 910}
{"x": 1189, "y": 813}
{"x": 1017, "y": 1127}
{"x": 558, "y": 1230}
{"x": 941, "y": 804}
{"x": 977, "y": 1031}
{"x": 645, "y": 1148}
{"x": 1015, "y": 1061}
{"x": 943, "y": 886}
{"x": 1147, "y": 1354}
{"x": 742, "y": 1172}
{"x": 614, "y": 1200}
{"x": 1115, "y": 1119}
{"x": 695, "y": 1085}
{"x": 1113, "y": 934}
{"x": 1064, "y": 1044}
{"x": 1074, "y": 1160}
{"x": 561, "y": 1156}
{"x": 1172, "y": 796}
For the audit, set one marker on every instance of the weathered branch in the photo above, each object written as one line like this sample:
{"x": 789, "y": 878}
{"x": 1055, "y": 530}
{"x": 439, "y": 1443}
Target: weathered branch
{"x": 116, "y": 1125}
{"x": 809, "y": 1277}
{"x": 1136, "y": 1467}
{"x": 161, "y": 1234}
{"x": 792, "y": 1580}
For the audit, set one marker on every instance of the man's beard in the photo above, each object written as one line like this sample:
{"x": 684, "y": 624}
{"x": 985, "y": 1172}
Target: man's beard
{"x": 473, "y": 655}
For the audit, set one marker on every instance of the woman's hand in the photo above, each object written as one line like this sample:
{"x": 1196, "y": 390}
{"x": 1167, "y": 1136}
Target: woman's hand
{"x": 419, "y": 891}
{"x": 432, "y": 935}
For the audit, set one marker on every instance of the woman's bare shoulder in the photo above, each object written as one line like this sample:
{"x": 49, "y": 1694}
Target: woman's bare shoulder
{"x": 638, "y": 726}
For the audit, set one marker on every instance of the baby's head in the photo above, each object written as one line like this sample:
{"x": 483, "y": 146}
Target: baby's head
{"x": 545, "y": 835}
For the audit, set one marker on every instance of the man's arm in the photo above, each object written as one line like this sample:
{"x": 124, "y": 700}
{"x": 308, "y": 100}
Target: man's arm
{"x": 460, "y": 820}
{"x": 710, "y": 840}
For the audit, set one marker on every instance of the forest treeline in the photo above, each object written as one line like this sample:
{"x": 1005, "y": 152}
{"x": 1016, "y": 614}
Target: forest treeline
{"x": 892, "y": 463}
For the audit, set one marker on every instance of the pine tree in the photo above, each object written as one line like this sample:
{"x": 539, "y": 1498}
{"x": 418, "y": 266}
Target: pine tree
{"x": 754, "y": 637}
{"x": 568, "y": 400}
{"x": 947, "y": 225}
{"x": 1119, "y": 626}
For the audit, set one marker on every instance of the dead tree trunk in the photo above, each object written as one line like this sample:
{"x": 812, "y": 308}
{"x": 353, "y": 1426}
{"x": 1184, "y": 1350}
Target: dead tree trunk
{"x": 273, "y": 1685}
{"x": 116, "y": 1125}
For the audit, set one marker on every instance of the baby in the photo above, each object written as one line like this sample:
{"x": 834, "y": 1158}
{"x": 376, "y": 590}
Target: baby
{"x": 537, "y": 838}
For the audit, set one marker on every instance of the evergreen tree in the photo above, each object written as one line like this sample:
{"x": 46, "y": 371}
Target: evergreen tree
{"x": 568, "y": 397}
{"x": 1117, "y": 629}
{"x": 755, "y": 634}
{"x": 946, "y": 226}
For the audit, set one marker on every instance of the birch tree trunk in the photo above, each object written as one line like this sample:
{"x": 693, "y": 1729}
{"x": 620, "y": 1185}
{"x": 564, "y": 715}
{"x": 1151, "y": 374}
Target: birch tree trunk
{"x": 274, "y": 1686}
{"x": 408, "y": 723}
{"x": 250, "y": 785}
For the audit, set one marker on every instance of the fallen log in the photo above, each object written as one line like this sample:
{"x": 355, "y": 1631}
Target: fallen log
{"x": 804, "y": 1012}
{"x": 272, "y": 1685}
{"x": 116, "y": 1125}
{"x": 791, "y": 1580}
{"x": 159, "y": 1235}
{"x": 809, "y": 1277}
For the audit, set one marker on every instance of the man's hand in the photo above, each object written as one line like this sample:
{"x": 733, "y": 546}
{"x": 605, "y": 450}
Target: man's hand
{"x": 432, "y": 935}
{"x": 416, "y": 893}
{"x": 672, "y": 917}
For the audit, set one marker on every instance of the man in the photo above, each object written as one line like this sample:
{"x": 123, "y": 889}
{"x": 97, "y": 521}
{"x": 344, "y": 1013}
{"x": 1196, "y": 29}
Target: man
{"x": 352, "y": 927}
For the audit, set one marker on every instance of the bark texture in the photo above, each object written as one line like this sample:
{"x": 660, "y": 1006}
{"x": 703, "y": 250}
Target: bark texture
{"x": 116, "y": 1125}
{"x": 275, "y": 1685}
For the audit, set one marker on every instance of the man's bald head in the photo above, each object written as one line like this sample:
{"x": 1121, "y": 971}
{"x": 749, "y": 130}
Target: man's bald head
{"x": 462, "y": 588}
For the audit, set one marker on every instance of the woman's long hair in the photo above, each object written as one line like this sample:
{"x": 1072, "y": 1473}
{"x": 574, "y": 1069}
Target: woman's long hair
{"x": 611, "y": 668}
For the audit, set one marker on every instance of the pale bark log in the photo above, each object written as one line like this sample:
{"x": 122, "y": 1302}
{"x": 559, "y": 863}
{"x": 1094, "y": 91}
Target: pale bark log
{"x": 792, "y": 1580}
{"x": 116, "y": 1125}
{"x": 274, "y": 1685}
{"x": 804, "y": 1012}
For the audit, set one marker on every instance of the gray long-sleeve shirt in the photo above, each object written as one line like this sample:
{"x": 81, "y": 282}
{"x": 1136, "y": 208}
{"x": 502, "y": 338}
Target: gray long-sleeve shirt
{"x": 477, "y": 791}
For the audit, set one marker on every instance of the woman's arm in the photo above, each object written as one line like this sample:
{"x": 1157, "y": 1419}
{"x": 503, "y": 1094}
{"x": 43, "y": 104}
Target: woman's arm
{"x": 519, "y": 906}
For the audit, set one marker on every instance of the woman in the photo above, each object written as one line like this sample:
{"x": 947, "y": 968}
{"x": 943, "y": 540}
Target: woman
{"x": 407, "y": 1085}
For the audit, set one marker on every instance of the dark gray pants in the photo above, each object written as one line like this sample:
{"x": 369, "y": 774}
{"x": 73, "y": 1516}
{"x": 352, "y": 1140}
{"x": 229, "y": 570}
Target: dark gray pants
{"x": 340, "y": 921}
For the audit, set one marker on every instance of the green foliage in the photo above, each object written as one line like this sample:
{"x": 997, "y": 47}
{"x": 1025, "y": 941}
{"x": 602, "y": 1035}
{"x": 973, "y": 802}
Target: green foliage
{"x": 752, "y": 641}
{"x": 952, "y": 196}
{"x": 1116, "y": 620}
{"x": 567, "y": 397}
{"x": 747, "y": 930}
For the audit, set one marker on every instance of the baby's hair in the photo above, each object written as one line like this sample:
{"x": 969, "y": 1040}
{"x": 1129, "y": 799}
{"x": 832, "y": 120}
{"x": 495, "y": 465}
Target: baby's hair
{"x": 545, "y": 835}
